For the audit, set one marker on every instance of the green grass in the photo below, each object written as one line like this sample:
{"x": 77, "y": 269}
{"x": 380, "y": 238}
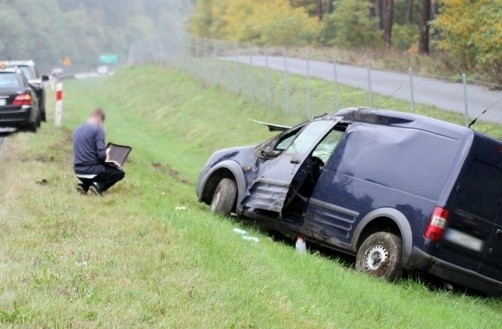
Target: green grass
{"x": 131, "y": 260}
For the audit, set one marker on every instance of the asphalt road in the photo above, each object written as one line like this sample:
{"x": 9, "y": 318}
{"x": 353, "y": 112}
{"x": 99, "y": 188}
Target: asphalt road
{"x": 444, "y": 95}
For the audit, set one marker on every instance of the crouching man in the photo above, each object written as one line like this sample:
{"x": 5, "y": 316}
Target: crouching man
{"x": 90, "y": 156}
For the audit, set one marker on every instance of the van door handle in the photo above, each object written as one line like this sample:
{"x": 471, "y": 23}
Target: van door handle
{"x": 295, "y": 161}
{"x": 499, "y": 233}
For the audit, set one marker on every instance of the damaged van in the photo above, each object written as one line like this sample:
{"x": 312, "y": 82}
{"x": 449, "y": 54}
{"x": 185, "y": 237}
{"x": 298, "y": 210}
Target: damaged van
{"x": 398, "y": 191}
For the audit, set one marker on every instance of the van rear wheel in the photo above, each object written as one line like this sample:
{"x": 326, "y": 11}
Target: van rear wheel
{"x": 224, "y": 197}
{"x": 380, "y": 256}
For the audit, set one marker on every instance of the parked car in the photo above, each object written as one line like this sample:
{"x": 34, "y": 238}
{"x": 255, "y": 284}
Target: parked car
{"x": 102, "y": 70}
{"x": 18, "y": 101}
{"x": 57, "y": 73}
{"x": 35, "y": 79}
{"x": 398, "y": 191}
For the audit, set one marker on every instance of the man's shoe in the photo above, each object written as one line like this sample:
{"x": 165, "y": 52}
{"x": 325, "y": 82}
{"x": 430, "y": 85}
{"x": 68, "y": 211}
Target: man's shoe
{"x": 82, "y": 189}
{"x": 94, "y": 189}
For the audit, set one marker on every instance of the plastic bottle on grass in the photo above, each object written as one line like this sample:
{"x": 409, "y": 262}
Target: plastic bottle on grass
{"x": 300, "y": 245}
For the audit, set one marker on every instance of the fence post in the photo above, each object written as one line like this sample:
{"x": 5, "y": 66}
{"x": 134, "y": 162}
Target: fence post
{"x": 226, "y": 69}
{"x": 237, "y": 67}
{"x": 286, "y": 82}
{"x": 205, "y": 47}
{"x": 370, "y": 96}
{"x": 337, "y": 92}
{"x": 161, "y": 53}
{"x": 309, "y": 99}
{"x": 412, "y": 91}
{"x": 251, "y": 77}
{"x": 466, "y": 103}
{"x": 267, "y": 78}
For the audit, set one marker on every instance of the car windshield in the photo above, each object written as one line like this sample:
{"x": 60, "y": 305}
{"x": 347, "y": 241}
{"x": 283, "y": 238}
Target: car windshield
{"x": 9, "y": 80}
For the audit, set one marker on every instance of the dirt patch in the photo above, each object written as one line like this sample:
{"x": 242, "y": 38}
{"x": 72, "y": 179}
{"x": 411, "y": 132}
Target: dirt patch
{"x": 171, "y": 172}
{"x": 44, "y": 158}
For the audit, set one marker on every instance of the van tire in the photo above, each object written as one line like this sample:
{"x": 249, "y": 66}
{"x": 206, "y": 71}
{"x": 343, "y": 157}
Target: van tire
{"x": 380, "y": 256}
{"x": 224, "y": 197}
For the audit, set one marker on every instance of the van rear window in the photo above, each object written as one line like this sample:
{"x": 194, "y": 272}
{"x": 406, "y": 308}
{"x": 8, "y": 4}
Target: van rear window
{"x": 481, "y": 190}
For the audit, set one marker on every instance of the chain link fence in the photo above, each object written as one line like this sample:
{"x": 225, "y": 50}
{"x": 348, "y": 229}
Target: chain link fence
{"x": 299, "y": 86}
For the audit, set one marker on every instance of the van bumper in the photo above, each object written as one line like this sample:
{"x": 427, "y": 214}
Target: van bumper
{"x": 453, "y": 273}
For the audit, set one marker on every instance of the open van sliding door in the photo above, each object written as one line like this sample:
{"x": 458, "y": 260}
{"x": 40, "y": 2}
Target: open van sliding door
{"x": 270, "y": 191}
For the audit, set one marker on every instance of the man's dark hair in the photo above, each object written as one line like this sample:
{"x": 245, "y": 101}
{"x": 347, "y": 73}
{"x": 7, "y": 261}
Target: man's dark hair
{"x": 98, "y": 112}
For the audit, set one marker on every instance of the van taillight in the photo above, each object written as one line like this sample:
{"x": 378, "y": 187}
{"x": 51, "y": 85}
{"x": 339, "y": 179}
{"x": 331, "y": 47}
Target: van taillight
{"x": 437, "y": 224}
{"x": 21, "y": 100}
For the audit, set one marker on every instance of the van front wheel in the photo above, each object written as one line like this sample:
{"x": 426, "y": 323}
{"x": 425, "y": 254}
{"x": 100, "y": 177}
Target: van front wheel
{"x": 224, "y": 197}
{"x": 380, "y": 256}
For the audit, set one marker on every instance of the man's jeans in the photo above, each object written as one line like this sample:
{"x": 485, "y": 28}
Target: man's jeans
{"x": 106, "y": 179}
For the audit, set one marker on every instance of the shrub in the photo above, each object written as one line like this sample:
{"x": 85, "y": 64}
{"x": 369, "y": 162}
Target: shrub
{"x": 353, "y": 26}
{"x": 404, "y": 36}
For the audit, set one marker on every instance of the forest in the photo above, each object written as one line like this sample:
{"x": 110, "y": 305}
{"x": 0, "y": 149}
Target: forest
{"x": 467, "y": 33}
{"x": 49, "y": 30}
{"x": 464, "y": 34}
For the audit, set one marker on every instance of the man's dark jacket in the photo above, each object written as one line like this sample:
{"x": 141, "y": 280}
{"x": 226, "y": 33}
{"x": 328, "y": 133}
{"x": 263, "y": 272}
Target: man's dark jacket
{"x": 89, "y": 149}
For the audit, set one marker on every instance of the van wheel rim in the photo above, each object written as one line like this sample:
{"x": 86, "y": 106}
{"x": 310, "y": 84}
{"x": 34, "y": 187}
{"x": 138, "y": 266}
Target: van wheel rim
{"x": 376, "y": 256}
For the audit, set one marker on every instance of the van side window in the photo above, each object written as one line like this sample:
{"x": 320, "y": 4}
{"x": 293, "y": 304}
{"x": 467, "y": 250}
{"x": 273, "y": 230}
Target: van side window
{"x": 326, "y": 147}
{"x": 307, "y": 138}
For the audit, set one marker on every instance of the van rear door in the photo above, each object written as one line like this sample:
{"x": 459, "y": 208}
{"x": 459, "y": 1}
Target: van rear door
{"x": 470, "y": 237}
{"x": 491, "y": 265}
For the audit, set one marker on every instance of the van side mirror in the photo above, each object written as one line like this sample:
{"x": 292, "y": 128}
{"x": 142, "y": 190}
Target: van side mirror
{"x": 45, "y": 78}
{"x": 270, "y": 153}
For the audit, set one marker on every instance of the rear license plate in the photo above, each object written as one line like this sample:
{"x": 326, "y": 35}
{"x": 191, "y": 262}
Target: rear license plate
{"x": 3, "y": 102}
{"x": 464, "y": 240}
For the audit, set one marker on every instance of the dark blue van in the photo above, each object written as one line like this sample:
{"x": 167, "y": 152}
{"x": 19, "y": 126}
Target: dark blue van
{"x": 399, "y": 191}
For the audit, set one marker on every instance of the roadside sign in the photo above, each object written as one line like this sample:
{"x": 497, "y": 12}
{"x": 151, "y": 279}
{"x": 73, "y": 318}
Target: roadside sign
{"x": 108, "y": 59}
{"x": 67, "y": 61}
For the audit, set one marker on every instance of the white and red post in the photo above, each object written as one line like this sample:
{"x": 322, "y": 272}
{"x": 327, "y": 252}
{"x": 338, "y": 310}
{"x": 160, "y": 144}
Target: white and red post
{"x": 59, "y": 105}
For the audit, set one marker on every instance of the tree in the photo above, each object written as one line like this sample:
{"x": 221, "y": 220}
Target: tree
{"x": 353, "y": 26}
{"x": 425, "y": 17}
{"x": 472, "y": 33}
{"x": 259, "y": 21}
{"x": 409, "y": 12}
{"x": 379, "y": 13}
{"x": 319, "y": 9}
{"x": 388, "y": 6}
{"x": 330, "y": 7}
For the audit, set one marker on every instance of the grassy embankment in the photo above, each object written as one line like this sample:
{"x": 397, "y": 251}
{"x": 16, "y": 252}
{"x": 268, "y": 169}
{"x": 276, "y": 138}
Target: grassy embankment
{"x": 131, "y": 259}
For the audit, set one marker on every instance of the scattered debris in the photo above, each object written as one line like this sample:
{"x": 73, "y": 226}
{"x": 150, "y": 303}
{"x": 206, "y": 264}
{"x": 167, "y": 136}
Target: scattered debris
{"x": 181, "y": 208}
{"x": 81, "y": 264}
{"x": 42, "y": 182}
{"x": 239, "y": 231}
{"x": 300, "y": 245}
{"x": 245, "y": 236}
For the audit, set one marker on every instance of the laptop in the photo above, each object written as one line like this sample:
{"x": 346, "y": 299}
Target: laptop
{"x": 117, "y": 154}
